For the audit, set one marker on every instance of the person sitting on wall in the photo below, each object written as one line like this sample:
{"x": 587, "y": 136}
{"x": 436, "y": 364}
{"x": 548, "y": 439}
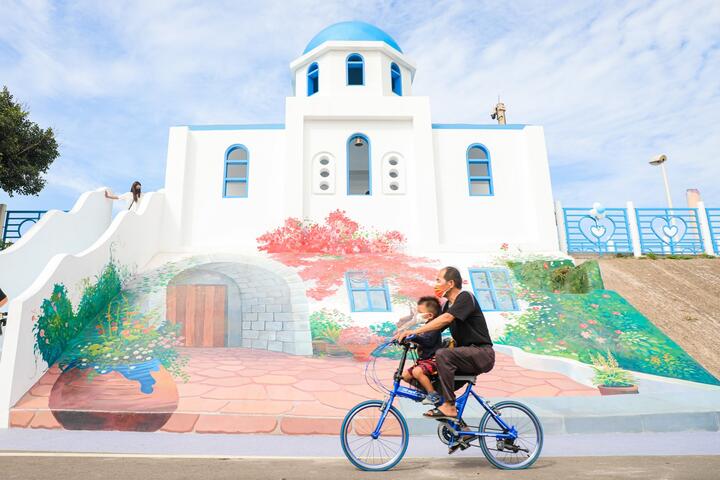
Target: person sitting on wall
{"x": 428, "y": 308}
{"x": 132, "y": 198}
{"x": 473, "y": 353}
{"x": 3, "y": 315}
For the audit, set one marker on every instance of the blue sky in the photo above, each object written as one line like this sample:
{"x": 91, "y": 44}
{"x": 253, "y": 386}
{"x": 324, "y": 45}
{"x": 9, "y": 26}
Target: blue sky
{"x": 613, "y": 83}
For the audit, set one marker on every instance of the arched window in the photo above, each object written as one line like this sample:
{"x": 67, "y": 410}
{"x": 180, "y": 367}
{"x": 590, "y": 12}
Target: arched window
{"x": 236, "y": 172}
{"x": 355, "y": 70}
{"x": 479, "y": 172}
{"x": 313, "y": 79}
{"x": 358, "y": 165}
{"x": 396, "y": 79}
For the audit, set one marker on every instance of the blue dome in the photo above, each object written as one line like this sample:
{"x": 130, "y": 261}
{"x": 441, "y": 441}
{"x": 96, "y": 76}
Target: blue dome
{"x": 353, "y": 31}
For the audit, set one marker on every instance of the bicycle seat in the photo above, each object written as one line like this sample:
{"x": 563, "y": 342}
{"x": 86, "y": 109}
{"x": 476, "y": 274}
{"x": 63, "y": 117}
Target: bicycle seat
{"x": 466, "y": 378}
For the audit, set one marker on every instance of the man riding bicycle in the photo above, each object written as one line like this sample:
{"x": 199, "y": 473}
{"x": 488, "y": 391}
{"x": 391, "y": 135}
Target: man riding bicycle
{"x": 472, "y": 354}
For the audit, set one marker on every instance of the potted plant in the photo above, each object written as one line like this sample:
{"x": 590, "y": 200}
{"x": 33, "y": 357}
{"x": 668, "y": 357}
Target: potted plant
{"x": 119, "y": 375}
{"x": 610, "y": 378}
{"x": 360, "y": 341}
{"x": 325, "y": 328}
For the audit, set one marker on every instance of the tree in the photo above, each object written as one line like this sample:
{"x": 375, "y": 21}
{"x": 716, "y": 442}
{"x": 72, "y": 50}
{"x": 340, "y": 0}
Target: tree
{"x": 26, "y": 150}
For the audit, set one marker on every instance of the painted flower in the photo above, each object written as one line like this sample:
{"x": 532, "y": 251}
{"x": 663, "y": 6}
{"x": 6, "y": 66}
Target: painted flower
{"x": 540, "y": 340}
{"x": 619, "y": 332}
{"x": 600, "y": 339}
{"x": 616, "y": 313}
{"x": 562, "y": 342}
{"x": 504, "y": 246}
{"x": 594, "y": 305}
{"x": 592, "y": 322}
{"x": 536, "y": 307}
{"x": 546, "y": 266}
{"x": 42, "y": 333}
{"x": 605, "y": 295}
{"x": 583, "y": 325}
{"x": 586, "y": 334}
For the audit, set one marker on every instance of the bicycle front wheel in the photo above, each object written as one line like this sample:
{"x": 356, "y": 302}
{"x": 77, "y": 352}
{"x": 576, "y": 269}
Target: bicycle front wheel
{"x": 519, "y": 453}
{"x": 366, "y": 452}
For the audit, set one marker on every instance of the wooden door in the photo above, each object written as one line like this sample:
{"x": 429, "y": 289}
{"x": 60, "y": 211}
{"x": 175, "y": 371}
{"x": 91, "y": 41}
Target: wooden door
{"x": 202, "y": 311}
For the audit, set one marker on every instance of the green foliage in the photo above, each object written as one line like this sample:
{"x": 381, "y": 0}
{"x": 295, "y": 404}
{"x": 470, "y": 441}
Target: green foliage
{"x": 327, "y": 324}
{"x": 4, "y": 244}
{"x": 123, "y": 336}
{"x": 559, "y": 276}
{"x": 608, "y": 372}
{"x": 58, "y": 325}
{"x": 385, "y": 329}
{"x": 651, "y": 256}
{"x": 26, "y": 150}
{"x": 581, "y": 326}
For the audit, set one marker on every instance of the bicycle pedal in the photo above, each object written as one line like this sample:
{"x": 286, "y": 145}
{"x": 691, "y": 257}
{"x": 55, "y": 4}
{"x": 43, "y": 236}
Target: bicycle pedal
{"x": 461, "y": 445}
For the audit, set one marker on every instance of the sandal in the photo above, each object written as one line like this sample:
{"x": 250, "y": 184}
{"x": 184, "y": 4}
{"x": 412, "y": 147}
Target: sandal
{"x": 437, "y": 414}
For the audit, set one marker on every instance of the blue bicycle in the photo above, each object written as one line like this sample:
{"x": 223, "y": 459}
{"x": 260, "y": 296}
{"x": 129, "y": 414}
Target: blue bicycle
{"x": 375, "y": 435}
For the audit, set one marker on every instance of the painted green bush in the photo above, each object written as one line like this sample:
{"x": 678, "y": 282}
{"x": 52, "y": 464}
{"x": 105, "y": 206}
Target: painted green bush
{"x": 58, "y": 325}
{"x": 123, "y": 336}
{"x": 581, "y": 326}
{"x": 327, "y": 324}
{"x": 558, "y": 276}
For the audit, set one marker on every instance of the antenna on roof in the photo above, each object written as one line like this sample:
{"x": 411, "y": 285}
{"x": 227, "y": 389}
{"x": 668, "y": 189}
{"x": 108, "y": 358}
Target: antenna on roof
{"x": 499, "y": 112}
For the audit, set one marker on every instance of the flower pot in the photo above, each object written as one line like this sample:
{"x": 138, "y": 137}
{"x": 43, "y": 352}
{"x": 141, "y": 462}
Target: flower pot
{"x": 336, "y": 350}
{"x": 617, "y": 390}
{"x": 319, "y": 346}
{"x": 361, "y": 352}
{"x": 139, "y": 397}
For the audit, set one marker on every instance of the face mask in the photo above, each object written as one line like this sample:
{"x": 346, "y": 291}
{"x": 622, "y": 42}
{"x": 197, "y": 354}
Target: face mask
{"x": 440, "y": 292}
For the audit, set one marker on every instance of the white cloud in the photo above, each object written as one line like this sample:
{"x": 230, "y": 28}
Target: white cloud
{"x": 613, "y": 82}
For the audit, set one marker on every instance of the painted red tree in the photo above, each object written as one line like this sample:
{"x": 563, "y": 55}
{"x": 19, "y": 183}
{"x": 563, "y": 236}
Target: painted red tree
{"x": 323, "y": 253}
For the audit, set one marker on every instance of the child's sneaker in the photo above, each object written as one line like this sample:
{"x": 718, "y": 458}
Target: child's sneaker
{"x": 431, "y": 399}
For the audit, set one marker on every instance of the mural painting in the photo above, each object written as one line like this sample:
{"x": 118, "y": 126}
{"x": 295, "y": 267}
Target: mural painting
{"x": 177, "y": 346}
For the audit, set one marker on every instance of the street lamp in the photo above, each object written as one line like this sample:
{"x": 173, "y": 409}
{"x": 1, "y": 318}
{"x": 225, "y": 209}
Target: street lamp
{"x": 660, "y": 160}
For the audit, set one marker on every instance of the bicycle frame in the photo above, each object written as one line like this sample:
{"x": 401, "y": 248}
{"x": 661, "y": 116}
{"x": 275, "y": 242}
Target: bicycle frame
{"x": 460, "y": 402}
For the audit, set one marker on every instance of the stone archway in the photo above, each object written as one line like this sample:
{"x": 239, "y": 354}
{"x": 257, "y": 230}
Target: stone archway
{"x": 266, "y": 306}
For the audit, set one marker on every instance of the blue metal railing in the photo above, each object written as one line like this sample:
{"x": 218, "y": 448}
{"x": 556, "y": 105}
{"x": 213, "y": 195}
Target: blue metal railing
{"x": 713, "y": 216}
{"x": 17, "y": 221}
{"x": 591, "y": 234}
{"x": 665, "y": 231}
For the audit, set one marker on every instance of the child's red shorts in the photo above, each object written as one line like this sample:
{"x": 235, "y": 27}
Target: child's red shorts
{"x": 429, "y": 366}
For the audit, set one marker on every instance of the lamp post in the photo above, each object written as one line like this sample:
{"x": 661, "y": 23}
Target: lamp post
{"x": 660, "y": 160}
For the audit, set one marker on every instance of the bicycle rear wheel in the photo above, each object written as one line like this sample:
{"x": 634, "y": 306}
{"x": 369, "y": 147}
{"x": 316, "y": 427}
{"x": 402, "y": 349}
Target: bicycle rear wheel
{"x": 519, "y": 453}
{"x": 366, "y": 452}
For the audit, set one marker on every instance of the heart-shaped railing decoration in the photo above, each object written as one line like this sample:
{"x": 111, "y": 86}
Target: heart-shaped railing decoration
{"x": 669, "y": 229}
{"x": 597, "y": 230}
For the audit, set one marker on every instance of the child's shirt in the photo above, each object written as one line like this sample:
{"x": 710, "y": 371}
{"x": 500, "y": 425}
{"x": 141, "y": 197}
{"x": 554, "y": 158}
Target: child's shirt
{"x": 428, "y": 343}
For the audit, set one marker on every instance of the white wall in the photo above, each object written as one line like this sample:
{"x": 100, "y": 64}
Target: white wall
{"x": 521, "y": 210}
{"x": 331, "y": 59}
{"x": 133, "y": 238}
{"x": 208, "y": 219}
{"x": 56, "y": 232}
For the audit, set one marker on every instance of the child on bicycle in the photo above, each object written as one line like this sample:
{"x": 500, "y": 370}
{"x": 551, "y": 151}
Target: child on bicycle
{"x": 428, "y": 308}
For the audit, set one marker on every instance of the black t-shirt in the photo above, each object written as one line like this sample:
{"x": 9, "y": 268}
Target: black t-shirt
{"x": 469, "y": 326}
{"x": 2, "y": 295}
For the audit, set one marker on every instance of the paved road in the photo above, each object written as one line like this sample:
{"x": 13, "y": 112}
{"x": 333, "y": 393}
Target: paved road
{"x": 551, "y": 468}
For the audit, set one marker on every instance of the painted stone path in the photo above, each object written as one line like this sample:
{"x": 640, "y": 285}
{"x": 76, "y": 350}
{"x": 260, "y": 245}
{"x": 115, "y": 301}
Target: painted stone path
{"x": 253, "y": 391}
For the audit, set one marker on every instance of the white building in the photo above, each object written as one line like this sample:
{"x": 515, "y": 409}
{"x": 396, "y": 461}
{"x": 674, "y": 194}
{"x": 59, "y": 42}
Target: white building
{"x": 356, "y": 138}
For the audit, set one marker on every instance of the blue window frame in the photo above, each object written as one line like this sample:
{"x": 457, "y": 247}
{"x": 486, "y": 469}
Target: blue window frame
{"x": 396, "y": 79}
{"x": 480, "y": 181}
{"x": 493, "y": 289}
{"x": 364, "y": 297}
{"x": 359, "y": 166}
{"x": 235, "y": 182}
{"x": 355, "y": 70}
{"x": 313, "y": 79}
